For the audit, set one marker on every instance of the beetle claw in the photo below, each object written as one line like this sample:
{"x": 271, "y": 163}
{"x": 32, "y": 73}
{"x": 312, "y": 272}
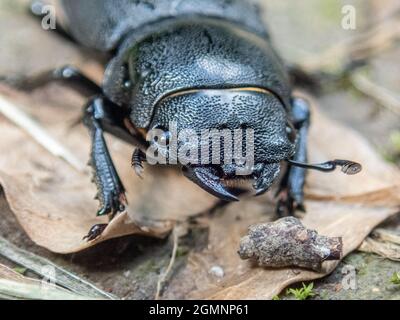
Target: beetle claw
{"x": 207, "y": 179}
{"x": 95, "y": 232}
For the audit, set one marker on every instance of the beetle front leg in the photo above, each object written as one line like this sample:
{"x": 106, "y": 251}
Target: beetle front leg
{"x": 291, "y": 191}
{"x": 111, "y": 192}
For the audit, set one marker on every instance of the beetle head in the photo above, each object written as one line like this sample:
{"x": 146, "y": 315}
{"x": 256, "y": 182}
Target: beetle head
{"x": 221, "y": 136}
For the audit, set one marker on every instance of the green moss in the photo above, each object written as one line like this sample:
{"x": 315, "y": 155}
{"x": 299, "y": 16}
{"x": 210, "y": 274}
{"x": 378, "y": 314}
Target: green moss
{"x": 362, "y": 269}
{"x": 20, "y": 270}
{"x": 302, "y": 293}
{"x": 146, "y": 268}
{"x": 395, "y": 279}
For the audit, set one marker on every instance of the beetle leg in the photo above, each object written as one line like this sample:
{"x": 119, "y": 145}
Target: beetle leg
{"x": 68, "y": 75}
{"x": 111, "y": 192}
{"x": 290, "y": 193}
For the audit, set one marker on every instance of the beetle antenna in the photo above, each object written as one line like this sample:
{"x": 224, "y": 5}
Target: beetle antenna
{"x": 348, "y": 167}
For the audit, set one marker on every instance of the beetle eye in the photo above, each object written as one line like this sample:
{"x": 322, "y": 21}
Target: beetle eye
{"x": 291, "y": 132}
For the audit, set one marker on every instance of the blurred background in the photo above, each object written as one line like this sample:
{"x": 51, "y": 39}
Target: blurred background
{"x": 357, "y": 72}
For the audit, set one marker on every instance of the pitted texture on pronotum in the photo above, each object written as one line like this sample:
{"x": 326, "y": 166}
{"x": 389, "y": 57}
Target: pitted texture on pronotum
{"x": 286, "y": 242}
{"x": 231, "y": 109}
{"x": 192, "y": 56}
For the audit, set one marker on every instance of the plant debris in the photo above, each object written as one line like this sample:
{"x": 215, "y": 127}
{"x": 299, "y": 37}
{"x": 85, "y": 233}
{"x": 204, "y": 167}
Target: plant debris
{"x": 20, "y": 118}
{"x": 14, "y": 285}
{"x": 49, "y": 270}
{"x": 286, "y": 242}
{"x": 385, "y": 243}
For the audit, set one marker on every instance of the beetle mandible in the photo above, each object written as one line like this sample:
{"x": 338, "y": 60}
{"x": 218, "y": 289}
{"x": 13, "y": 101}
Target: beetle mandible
{"x": 201, "y": 65}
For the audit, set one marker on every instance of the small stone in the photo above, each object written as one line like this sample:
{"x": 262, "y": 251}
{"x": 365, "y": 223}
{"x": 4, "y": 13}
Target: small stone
{"x": 217, "y": 271}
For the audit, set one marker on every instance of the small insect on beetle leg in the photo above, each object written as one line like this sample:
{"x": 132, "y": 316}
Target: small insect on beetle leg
{"x": 111, "y": 192}
{"x": 290, "y": 193}
{"x": 138, "y": 157}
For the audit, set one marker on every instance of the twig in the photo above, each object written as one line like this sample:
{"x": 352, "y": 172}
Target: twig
{"x": 41, "y": 266}
{"x": 385, "y": 249}
{"x": 383, "y": 96}
{"x": 164, "y": 275}
{"x": 20, "y": 118}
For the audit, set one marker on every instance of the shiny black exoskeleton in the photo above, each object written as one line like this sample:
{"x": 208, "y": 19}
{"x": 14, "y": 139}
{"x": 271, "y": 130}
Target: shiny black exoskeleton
{"x": 200, "y": 64}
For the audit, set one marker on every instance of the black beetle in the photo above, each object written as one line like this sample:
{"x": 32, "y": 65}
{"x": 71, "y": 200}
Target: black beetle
{"x": 200, "y": 64}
